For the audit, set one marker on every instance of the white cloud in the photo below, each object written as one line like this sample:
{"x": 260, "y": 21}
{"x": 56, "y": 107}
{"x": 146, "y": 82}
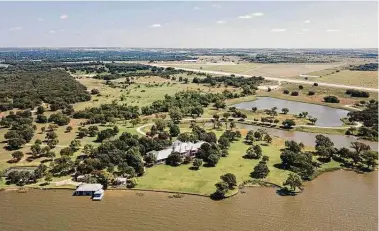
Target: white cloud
{"x": 55, "y": 31}
{"x": 245, "y": 16}
{"x": 156, "y": 25}
{"x": 40, "y": 19}
{"x": 304, "y": 30}
{"x": 63, "y": 16}
{"x": 278, "y": 30}
{"x": 332, "y": 30}
{"x": 257, "y": 14}
{"x": 199, "y": 29}
{"x": 197, "y": 8}
{"x": 307, "y": 21}
{"x": 15, "y": 28}
{"x": 221, "y": 22}
{"x": 216, "y": 6}
{"x": 252, "y": 15}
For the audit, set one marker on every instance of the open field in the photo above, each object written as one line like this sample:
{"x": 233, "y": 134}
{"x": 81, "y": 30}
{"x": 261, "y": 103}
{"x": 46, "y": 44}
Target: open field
{"x": 347, "y": 77}
{"x": 258, "y": 69}
{"x": 293, "y": 79}
{"x": 318, "y": 98}
{"x": 145, "y": 91}
{"x": 226, "y": 67}
{"x": 288, "y": 70}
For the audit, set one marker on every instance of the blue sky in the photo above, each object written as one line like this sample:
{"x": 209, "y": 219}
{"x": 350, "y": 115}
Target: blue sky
{"x": 190, "y": 24}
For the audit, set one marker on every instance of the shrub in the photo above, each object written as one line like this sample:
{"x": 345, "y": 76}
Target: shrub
{"x": 294, "y": 93}
{"x": 315, "y": 84}
{"x": 286, "y": 92}
{"x": 331, "y": 99}
{"x": 311, "y": 93}
{"x": 357, "y": 93}
{"x": 301, "y": 87}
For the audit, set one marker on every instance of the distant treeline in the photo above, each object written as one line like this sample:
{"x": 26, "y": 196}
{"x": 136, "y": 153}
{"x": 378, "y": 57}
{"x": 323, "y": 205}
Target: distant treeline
{"x": 287, "y": 58}
{"x": 26, "y": 86}
{"x": 139, "y": 70}
{"x": 365, "y": 67}
{"x": 232, "y": 81}
{"x": 59, "y": 55}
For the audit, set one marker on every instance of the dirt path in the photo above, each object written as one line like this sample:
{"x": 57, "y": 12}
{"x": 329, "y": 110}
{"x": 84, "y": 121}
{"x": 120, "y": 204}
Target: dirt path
{"x": 357, "y": 125}
{"x": 275, "y": 79}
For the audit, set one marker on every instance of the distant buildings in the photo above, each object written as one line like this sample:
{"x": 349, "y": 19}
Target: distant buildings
{"x": 184, "y": 148}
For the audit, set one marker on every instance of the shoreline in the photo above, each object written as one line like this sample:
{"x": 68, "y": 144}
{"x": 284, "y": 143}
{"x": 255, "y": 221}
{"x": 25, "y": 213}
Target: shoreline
{"x": 252, "y": 183}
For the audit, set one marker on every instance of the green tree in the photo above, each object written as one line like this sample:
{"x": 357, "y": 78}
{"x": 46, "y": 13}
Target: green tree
{"x": 293, "y": 181}
{"x": 175, "y": 115}
{"x": 51, "y": 135}
{"x": 370, "y": 158}
{"x": 174, "y": 159}
{"x": 197, "y": 163}
{"x": 260, "y": 170}
{"x": 288, "y": 123}
{"x": 67, "y": 151}
{"x": 68, "y": 129}
{"x": 230, "y": 179}
{"x": 254, "y": 152}
{"x": 285, "y": 110}
{"x": 48, "y": 178}
{"x": 212, "y": 160}
{"x": 267, "y": 138}
{"x": 52, "y": 143}
{"x": 75, "y": 145}
{"x": 150, "y": 159}
{"x": 17, "y": 155}
{"x": 219, "y": 104}
{"x": 221, "y": 189}
{"x": 160, "y": 124}
{"x": 359, "y": 147}
{"x": 36, "y": 149}
{"x": 224, "y": 142}
{"x": 174, "y": 130}
{"x": 40, "y": 110}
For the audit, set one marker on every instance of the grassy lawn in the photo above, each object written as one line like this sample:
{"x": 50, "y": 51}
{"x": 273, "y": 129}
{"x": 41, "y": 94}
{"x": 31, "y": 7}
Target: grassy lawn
{"x": 347, "y": 77}
{"x": 183, "y": 179}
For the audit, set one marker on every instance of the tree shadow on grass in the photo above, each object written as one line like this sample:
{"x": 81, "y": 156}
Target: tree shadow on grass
{"x": 279, "y": 166}
{"x": 193, "y": 168}
{"x": 12, "y": 161}
{"x": 206, "y": 165}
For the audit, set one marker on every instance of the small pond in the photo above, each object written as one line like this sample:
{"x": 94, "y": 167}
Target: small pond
{"x": 326, "y": 116}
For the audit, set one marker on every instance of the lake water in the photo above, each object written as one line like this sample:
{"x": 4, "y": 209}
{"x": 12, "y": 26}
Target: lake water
{"x": 335, "y": 201}
{"x": 326, "y": 116}
{"x": 309, "y": 138}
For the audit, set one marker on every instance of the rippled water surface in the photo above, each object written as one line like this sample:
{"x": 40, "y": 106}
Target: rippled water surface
{"x": 326, "y": 116}
{"x": 335, "y": 201}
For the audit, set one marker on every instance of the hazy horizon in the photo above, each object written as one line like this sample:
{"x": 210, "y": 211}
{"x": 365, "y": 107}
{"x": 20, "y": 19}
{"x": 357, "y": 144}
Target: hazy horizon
{"x": 190, "y": 25}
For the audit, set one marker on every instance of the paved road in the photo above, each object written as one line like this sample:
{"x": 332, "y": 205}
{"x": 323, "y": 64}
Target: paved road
{"x": 274, "y": 78}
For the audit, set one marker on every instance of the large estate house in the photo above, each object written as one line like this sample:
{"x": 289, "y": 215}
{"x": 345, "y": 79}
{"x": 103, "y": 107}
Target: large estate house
{"x": 184, "y": 148}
